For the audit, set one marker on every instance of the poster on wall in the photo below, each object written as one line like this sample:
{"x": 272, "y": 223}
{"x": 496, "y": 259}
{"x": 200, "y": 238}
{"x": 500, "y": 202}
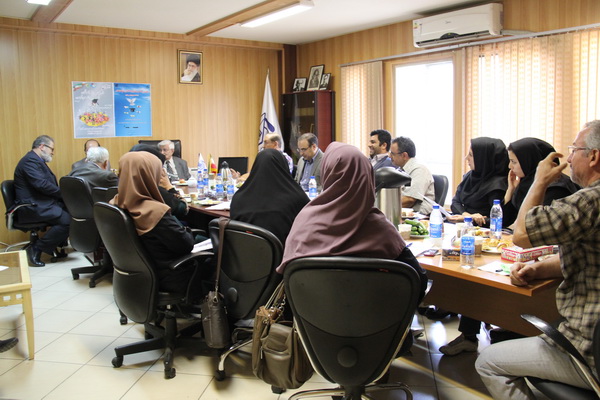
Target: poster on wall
{"x": 105, "y": 109}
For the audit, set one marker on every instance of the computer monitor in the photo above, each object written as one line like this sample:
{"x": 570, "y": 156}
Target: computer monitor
{"x": 240, "y": 164}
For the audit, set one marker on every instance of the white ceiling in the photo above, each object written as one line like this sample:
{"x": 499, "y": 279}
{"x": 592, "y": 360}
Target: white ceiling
{"x": 328, "y": 18}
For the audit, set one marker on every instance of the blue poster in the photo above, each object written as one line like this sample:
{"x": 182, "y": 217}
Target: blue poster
{"x": 133, "y": 114}
{"x": 93, "y": 109}
{"x": 104, "y": 109}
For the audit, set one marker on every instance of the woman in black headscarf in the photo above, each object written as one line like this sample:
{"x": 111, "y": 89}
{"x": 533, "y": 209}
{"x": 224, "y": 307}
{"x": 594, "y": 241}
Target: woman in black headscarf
{"x": 270, "y": 198}
{"x": 486, "y": 181}
{"x": 525, "y": 155}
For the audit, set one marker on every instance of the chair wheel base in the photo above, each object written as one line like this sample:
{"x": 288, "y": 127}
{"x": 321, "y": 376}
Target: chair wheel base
{"x": 170, "y": 373}
{"x": 123, "y": 320}
{"x": 92, "y": 284}
{"x": 75, "y": 276}
{"x": 117, "y": 361}
{"x": 277, "y": 390}
{"x": 220, "y": 375}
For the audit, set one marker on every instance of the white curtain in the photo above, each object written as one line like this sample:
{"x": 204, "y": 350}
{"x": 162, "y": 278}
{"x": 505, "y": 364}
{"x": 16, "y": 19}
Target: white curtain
{"x": 362, "y": 102}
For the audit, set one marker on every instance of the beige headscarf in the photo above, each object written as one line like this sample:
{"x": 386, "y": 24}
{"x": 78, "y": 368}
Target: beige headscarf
{"x": 138, "y": 190}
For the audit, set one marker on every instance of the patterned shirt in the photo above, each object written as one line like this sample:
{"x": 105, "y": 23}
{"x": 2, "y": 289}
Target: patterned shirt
{"x": 573, "y": 223}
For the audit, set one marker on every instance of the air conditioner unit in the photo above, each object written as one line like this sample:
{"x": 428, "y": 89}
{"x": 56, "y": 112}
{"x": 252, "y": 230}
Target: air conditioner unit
{"x": 458, "y": 26}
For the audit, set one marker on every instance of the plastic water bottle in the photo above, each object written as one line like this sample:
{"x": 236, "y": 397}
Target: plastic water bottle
{"x": 205, "y": 179}
{"x": 230, "y": 188}
{"x": 219, "y": 187}
{"x": 200, "y": 184}
{"x": 496, "y": 220}
{"x": 436, "y": 224}
{"x": 312, "y": 188}
{"x": 467, "y": 245}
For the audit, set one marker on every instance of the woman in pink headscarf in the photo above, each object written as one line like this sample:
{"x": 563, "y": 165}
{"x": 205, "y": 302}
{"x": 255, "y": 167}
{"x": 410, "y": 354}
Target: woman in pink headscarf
{"x": 342, "y": 220}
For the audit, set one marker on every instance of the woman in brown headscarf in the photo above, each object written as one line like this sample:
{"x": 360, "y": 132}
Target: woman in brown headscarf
{"x": 163, "y": 237}
{"x": 342, "y": 220}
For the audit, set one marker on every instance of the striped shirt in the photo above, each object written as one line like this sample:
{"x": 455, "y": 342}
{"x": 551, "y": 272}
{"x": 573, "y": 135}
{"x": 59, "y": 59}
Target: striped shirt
{"x": 573, "y": 223}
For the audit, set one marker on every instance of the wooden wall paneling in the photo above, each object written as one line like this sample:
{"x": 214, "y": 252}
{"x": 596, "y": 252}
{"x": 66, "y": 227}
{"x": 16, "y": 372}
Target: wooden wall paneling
{"x": 38, "y": 64}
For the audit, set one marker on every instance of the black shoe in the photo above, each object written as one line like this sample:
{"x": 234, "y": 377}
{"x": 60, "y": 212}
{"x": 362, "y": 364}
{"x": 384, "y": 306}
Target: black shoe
{"x": 60, "y": 253}
{"x": 33, "y": 255}
{"x": 436, "y": 313}
{"x": 8, "y": 344}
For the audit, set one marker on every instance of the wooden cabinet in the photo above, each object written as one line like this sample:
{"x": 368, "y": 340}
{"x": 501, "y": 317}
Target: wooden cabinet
{"x": 303, "y": 112}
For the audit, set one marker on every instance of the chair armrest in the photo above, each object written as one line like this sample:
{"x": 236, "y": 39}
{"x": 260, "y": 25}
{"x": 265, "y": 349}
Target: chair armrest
{"x": 561, "y": 341}
{"x": 557, "y": 337}
{"x": 201, "y": 256}
{"x": 196, "y": 231}
{"x": 10, "y": 214}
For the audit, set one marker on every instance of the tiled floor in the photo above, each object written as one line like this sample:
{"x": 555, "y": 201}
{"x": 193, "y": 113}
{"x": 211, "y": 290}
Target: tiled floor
{"x": 77, "y": 328}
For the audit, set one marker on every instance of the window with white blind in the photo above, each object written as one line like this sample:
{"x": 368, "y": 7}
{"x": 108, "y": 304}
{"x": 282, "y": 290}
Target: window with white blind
{"x": 545, "y": 87}
{"x": 424, "y": 112}
{"x": 362, "y": 99}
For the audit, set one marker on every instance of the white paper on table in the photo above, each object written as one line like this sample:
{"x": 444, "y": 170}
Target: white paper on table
{"x": 418, "y": 247}
{"x": 3, "y": 267}
{"x": 202, "y": 246}
{"x": 222, "y": 206}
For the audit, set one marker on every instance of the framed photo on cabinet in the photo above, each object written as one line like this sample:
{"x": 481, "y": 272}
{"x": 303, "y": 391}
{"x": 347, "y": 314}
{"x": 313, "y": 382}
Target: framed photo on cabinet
{"x": 324, "y": 81}
{"x": 314, "y": 78}
{"x": 190, "y": 67}
{"x": 299, "y": 85}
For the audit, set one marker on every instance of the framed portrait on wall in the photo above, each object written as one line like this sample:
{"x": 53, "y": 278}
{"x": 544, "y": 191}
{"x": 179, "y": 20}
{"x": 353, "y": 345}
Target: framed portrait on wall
{"x": 299, "y": 85}
{"x": 324, "y": 81}
{"x": 189, "y": 67}
{"x": 314, "y": 78}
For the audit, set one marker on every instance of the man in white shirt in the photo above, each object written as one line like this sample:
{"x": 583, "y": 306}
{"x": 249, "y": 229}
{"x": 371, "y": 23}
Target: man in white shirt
{"x": 379, "y": 147}
{"x": 403, "y": 152}
{"x": 175, "y": 166}
{"x": 274, "y": 141}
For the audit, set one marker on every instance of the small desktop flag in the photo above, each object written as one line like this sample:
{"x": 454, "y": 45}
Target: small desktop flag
{"x": 201, "y": 163}
{"x": 213, "y": 165}
{"x": 268, "y": 119}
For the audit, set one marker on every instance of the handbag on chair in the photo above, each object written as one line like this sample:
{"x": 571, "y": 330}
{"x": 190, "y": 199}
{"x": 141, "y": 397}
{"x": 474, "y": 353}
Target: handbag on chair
{"x": 278, "y": 357}
{"x": 214, "y": 313}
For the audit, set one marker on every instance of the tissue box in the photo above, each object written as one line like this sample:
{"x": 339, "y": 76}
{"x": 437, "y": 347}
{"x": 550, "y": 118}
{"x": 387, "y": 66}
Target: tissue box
{"x": 517, "y": 254}
{"x": 452, "y": 254}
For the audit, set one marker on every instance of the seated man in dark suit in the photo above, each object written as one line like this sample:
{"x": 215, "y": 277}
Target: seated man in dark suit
{"x": 95, "y": 171}
{"x": 175, "y": 166}
{"x": 88, "y": 145}
{"x": 35, "y": 183}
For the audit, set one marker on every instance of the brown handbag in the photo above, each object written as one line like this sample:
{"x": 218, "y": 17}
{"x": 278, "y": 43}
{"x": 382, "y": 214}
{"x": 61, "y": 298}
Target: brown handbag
{"x": 214, "y": 314}
{"x": 278, "y": 357}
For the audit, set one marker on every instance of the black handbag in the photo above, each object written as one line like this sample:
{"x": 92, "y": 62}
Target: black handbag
{"x": 214, "y": 312}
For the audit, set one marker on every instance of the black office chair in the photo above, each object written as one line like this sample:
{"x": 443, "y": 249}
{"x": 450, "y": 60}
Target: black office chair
{"x": 440, "y": 186}
{"x": 176, "y": 143}
{"x": 352, "y": 315}
{"x": 563, "y": 391}
{"x": 135, "y": 289}
{"x": 83, "y": 234}
{"x": 12, "y": 222}
{"x": 248, "y": 276}
{"x": 104, "y": 194}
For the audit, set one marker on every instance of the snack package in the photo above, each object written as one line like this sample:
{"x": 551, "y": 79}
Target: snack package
{"x": 518, "y": 254}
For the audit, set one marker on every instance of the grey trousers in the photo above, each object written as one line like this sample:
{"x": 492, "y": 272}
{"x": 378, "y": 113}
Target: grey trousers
{"x": 503, "y": 366}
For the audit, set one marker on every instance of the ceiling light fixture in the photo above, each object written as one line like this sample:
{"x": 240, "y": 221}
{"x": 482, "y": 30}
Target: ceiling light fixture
{"x": 303, "y": 5}
{"x": 42, "y": 2}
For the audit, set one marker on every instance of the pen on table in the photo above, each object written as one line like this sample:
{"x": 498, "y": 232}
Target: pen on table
{"x": 409, "y": 244}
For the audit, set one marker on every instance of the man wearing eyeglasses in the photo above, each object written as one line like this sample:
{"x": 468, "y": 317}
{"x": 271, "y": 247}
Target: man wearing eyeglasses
{"x": 310, "y": 163}
{"x": 403, "y": 153}
{"x": 572, "y": 223}
{"x": 35, "y": 183}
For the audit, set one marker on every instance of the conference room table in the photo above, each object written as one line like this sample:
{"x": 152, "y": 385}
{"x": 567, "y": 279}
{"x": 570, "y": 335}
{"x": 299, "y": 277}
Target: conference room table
{"x": 489, "y": 296}
{"x": 482, "y": 295}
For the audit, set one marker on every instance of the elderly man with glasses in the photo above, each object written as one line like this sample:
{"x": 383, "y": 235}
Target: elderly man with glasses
{"x": 310, "y": 163}
{"x": 35, "y": 183}
{"x": 572, "y": 223}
